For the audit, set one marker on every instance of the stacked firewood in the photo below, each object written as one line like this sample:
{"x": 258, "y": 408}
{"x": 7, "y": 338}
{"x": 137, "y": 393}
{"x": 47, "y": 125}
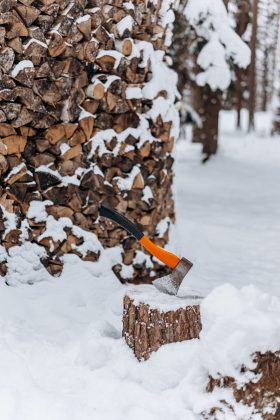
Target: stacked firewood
{"x": 260, "y": 390}
{"x": 86, "y": 116}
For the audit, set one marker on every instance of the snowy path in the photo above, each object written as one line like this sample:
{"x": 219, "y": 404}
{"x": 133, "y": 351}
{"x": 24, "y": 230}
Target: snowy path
{"x": 228, "y": 211}
{"x": 61, "y": 352}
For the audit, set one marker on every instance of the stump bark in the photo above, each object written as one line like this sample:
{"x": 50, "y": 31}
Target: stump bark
{"x": 152, "y": 319}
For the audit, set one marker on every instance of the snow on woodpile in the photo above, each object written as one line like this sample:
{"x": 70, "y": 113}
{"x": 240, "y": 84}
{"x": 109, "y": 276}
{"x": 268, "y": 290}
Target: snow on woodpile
{"x": 88, "y": 116}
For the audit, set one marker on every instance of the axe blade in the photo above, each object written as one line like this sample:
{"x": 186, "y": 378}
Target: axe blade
{"x": 171, "y": 283}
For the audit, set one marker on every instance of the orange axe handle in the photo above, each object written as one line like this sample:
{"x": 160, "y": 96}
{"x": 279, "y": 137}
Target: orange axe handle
{"x": 171, "y": 260}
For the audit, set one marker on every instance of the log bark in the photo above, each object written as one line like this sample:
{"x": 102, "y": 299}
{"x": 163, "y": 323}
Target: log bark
{"x": 148, "y": 325}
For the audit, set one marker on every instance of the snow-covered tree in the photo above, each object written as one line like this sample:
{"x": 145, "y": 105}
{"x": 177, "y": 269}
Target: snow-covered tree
{"x": 267, "y": 35}
{"x": 216, "y": 47}
{"x": 276, "y": 85}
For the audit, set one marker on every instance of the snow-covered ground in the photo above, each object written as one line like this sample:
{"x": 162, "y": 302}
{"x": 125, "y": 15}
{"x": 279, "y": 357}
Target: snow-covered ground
{"x": 229, "y": 209}
{"x": 61, "y": 352}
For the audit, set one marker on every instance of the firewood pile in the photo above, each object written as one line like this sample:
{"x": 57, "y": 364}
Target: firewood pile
{"x": 84, "y": 119}
{"x": 261, "y": 392}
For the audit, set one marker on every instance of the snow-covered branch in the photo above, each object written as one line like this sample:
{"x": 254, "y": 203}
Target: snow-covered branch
{"x": 210, "y": 21}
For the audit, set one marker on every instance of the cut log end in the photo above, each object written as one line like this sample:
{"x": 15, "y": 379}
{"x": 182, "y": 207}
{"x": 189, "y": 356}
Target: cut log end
{"x": 152, "y": 319}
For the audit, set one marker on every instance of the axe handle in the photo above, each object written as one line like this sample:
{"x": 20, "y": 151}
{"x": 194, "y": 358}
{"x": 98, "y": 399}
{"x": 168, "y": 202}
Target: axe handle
{"x": 105, "y": 211}
{"x": 171, "y": 260}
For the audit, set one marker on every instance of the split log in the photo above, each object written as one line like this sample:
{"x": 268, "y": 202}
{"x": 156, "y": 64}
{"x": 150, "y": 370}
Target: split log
{"x": 152, "y": 319}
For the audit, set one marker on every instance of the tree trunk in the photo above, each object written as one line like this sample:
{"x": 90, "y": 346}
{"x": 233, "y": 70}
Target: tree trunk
{"x": 80, "y": 125}
{"x": 147, "y": 325}
{"x": 276, "y": 80}
{"x": 242, "y": 21}
{"x": 252, "y": 69}
{"x": 276, "y": 111}
{"x": 207, "y": 133}
{"x": 239, "y": 96}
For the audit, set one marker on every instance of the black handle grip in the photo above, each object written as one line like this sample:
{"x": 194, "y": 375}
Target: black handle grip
{"x": 121, "y": 220}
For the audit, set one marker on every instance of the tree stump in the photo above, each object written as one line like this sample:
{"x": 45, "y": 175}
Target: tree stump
{"x": 152, "y": 319}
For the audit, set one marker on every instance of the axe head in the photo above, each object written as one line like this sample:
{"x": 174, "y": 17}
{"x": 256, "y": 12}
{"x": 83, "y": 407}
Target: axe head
{"x": 170, "y": 284}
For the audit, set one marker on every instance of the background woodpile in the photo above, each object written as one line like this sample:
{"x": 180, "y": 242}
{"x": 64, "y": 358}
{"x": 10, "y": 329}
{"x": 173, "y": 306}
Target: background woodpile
{"x": 262, "y": 392}
{"x": 78, "y": 127}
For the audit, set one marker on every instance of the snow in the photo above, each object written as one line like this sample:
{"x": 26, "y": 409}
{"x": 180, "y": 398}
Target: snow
{"x": 62, "y": 356}
{"x": 210, "y": 20}
{"x": 64, "y": 180}
{"x": 133, "y": 92}
{"x": 98, "y": 141}
{"x": 90, "y": 241}
{"x": 111, "y": 53}
{"x": 230, "y": 208}
{"x": 15, "y": 170}
{"x": 55, "y": 228}
{"x": 43, "y": 44}
{"x": 37, "y": 210}
{"x": 125, "y": 184}
{"x": 126, "y": 24}
{"x": 55, "y": 232}
{"x": 83, "y": 19}
{"x": 162, "y": 226}
{"x": 212, "y": 59}
{"x": 167, "y": 16}
{"x": 126, "y": 271}
{"x": 163, "y": 79}
{"x": 10, "y": 220}
{"x": 167, "y": 111}
{"x": 147, "y": 194}
{"x": 64, "y": 148}
{"x": 239, "y": 322}
{"x": 109, "y": 80}
{"x": 128, "y": 5}
{"x": 142, "y": 258}
{"x": 156, "y": 300}
{"x": 84, "y": 114}
{"x": 24, "y": 64}
{"x": 25, "y": 265}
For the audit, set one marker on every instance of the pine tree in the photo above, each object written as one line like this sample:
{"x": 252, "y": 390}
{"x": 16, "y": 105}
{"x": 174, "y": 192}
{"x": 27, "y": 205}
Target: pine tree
{"x": 213, "y": 46}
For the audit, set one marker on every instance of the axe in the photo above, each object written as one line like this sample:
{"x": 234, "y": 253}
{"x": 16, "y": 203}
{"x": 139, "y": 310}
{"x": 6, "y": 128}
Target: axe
{"x": 180, "y": 266}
